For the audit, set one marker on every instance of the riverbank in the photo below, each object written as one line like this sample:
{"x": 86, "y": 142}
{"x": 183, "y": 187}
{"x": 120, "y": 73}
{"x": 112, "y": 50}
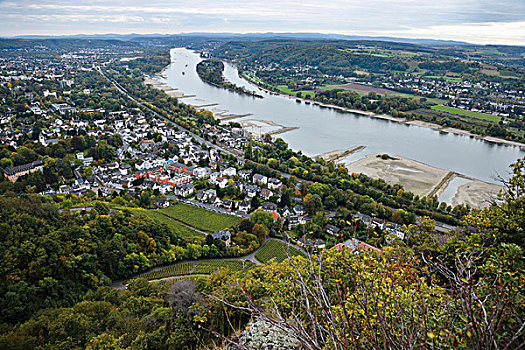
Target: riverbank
{"x": 414, "y": 176}
{"x": 425, "y": 180}
{"x": 419, "y": 123}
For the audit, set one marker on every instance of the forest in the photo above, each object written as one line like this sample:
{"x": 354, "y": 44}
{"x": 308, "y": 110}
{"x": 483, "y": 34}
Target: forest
{"x": 463, "y": 292}
{"x": 211, "y": 71}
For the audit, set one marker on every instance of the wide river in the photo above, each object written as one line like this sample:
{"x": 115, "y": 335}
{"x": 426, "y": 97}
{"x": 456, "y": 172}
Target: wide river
{"x": 324, "y": 129}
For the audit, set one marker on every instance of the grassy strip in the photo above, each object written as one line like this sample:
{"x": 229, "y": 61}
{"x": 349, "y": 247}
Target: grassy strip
{"x": 184, "y": 231}
{"x": 206, "y": 267}
{"x": 200, "y": 218}
{"x": 286, "y": 90}
{"x": 276, "y": 249}
{"x": 466, "y": 113}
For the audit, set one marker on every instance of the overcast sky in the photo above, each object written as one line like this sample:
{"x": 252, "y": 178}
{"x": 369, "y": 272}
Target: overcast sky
{"x": 476, "y": 21}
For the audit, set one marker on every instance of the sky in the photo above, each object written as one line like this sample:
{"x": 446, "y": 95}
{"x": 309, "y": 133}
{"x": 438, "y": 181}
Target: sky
{"x": 474, "y": 21}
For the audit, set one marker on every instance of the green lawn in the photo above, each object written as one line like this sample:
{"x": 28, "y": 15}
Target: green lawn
{"x": 466, "y": 113}
{"x": 436, "y": 101}
{"x": 184, "y": 231}
{"x": 200, "y": 218}
{"x": 206, "y": 267}
{"x": 449, "y": 79}
{"x": 276, "y": 249}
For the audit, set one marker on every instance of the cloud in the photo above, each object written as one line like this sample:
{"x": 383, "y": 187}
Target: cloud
{"x": 445, "y": 19}
{"x": 479, "y": 33}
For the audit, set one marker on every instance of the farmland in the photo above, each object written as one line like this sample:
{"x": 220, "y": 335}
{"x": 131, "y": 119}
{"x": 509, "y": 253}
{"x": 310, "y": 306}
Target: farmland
{"x": 200, "y": 218}
{"x": 304, "y": 93}
{"x": 276, "y": 249}
{"x": 365, "y": 89}
{"x": 467, "y": 113}
{"x": 185, "y": 232}
{"x": 205, "y": 267}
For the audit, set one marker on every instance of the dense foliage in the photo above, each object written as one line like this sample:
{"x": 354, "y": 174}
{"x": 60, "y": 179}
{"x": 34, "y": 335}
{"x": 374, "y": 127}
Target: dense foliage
{"x": 211, "y": 72}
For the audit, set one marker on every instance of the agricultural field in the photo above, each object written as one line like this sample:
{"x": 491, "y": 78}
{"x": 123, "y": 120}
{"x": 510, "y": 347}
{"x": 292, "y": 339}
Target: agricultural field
{"x": 200, "y": 218}
{"x": 465, "y": 113}
{"x": 185, "y": 232}
{"x": 365, "y": 89}
{"x": 205, "y": 267}
{"x": 286, "y": 90}
{"x": 274, "y": 248}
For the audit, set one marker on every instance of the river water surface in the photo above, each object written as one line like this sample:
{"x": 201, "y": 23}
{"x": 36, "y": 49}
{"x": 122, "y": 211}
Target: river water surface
{"x": 324, "y": 129}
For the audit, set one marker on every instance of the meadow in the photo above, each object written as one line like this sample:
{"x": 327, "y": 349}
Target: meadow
{"x": 278, "y": 250}
{"x": 200, "y": 218}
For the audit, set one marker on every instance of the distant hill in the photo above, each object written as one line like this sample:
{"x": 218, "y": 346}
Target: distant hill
{"x": 247, "y": 36}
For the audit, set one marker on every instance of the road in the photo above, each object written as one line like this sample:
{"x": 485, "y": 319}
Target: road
{"x": 123, "y": 91}
{"x": 250, "y": 257}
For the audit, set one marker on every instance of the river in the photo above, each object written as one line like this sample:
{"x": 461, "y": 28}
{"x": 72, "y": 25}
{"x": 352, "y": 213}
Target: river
{"x": 322, "y": 129}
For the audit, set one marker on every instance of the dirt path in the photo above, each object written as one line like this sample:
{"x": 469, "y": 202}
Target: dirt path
{"x": 174, "y": 277}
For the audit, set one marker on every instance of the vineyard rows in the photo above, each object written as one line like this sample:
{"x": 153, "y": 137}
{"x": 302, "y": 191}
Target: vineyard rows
{"x": 196, "y": 268}
{"x": 276, "y": 249}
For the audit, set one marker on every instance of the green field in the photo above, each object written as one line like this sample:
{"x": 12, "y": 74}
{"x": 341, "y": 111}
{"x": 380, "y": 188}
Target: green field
{"x": 200, "y": 218}
{"x": 432, "y": 100}
{"x": 449, "y": 79}
{"x": 184, "y": 231}
{"x": 276, "y": 249}
{"x": 466, "y": 113}
{"x": 286, "y": 90}
{"x": 206, "y": 267}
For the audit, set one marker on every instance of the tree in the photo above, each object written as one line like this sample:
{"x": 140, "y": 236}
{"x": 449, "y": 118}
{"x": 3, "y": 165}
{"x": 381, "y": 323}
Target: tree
{"x": 313, "y": 203}
{"x": 101, "y": 208}
{"x": 506, "y": 219}
{"x": 260, "y": 232}
{"x": 263, "y": 218}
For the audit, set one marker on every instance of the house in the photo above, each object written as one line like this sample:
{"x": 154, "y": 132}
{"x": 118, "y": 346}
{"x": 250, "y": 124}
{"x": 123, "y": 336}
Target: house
{"x": 286, "y": 211}
{"x": 216, "y": 201}
{"x": 184, "y": 190}
{"x": 312, "y": 243}
{"x": 87, "y": 161}
{"x": 228, "y": 204}
{"x": 332, "y": 230}
{"x": 180, "y": 168}
{"x": 274, "y": 184}
{"x": 223, "y": 235}
{"x": 229, "y": 172}
{"x": 201, "y": 172}
{"x": 269, "y": 206}
{"x": 245, "y": 205}
{"x": 222, "y": 182}
{"x": 201, "y": 196}
{"x": 213, "y": 178}
{"x": 354, "y": 245}
{"x": 260, "y": 179}
{"x": 295, "y": 220}
{"x": 266, "y": 194}
{"x": 244, "y": 174}
{"x": 298, "y": 210}
{"x": 14, "y": 173}
{"x": 162, "y": 202}
{"x": 251, "y": 190}
{"x": 210, "y": 193}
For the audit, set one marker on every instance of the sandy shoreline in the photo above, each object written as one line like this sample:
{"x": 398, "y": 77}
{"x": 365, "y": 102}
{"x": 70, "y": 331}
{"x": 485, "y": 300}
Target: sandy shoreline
{"x": 422, "y": 179}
